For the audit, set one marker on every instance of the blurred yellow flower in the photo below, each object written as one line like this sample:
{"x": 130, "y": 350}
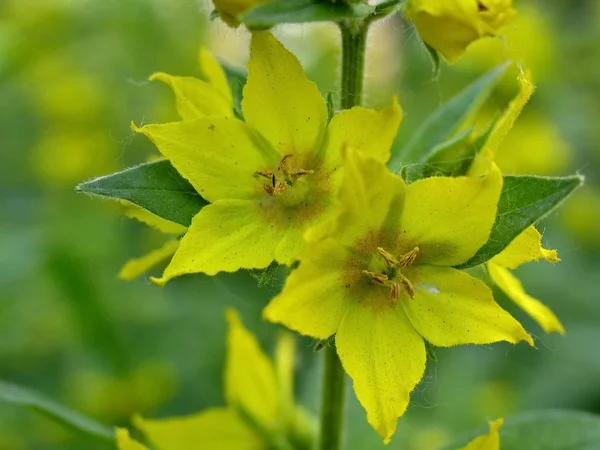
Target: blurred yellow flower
{"x": 581, "y": 214}
{"x": 450, "y": 26}
{"x": 490, "y": 441}
{"x": 384, "y": 282}
{"x": 231, "y": 10}
{"x": 259, "y": 393}
{"x": 271, "y": 177}
{"x": 528, "y": 40}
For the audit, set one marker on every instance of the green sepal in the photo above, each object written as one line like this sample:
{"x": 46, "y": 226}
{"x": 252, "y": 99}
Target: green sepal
{"x": 440, "y": 126}
{"x": 156, "y": 187}
{"x": 436, "y": 61}
{"x": 275, "y": 12}
{"x": 330, "y": 107}
{"x": 547, "y": 430}
{"x": 524, "y": 201}
{"x": 237, "y": 78}
{"x": 36, "y": 401}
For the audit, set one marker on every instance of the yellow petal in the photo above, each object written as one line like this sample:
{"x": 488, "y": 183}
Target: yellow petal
{"x": 524, "y": 248}
{"x": 367, "y": 186}
{"x": 449, "y": 219}
{"x": 366, "y": 130}
{"x": 504, "y": 125}
{"x": 138, "y": 266}
{"x": 196, "y": 98}
{"x": 213, "y": 429}
{"x": 214, "y": 74}
{"x": 385, "y": 357}
{"x": 250, "y": 382}
{"x": 279, "y": 101}
{"x": 125, "y": 442}
{"x": 490, "y": 441}
{"x": 313, "y": 299}
{"x": 450, "y": 308}
{"x": 219, "y": 156}
{"x": 145, "y": 216}
{"x": 285, "y": 355}
{"x": 225, "y": 236}
{"x": 513, "y": 288}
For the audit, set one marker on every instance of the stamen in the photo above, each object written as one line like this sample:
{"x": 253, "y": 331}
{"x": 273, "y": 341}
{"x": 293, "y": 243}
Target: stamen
{"x": 301, "y": 173}
{"x": 387, "y": 257}
{"x": 395, "y": 292}
{"x": 409, "y": 258}
{"x": 282, "y": 167}
{"x": 406, "y": 284}
{"x": 268, "y": 189}
{"x": 281, "y": 186}
{"x": 265, "y": 174}
{"x": 378, "y": 278}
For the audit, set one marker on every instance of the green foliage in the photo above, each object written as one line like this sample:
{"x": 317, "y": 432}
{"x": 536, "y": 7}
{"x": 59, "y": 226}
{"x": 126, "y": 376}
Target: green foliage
{"x": 446, "y": 120}
{"x": 155, "y": 186}
{"x": 524, "y": 200}
{"x": 300, "y": 11}
{"x": 545, "y": 430}
{"x": 236, "y": 77}
{"x": 18, "y": 395}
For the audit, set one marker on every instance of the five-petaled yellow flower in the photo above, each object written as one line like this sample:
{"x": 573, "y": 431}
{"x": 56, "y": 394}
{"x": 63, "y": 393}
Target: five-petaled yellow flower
{"x": 449, "y": 26}
{"x": 261, "y": 413}
{"x": 379, "y": 275}
{"x": 270, "y": 178}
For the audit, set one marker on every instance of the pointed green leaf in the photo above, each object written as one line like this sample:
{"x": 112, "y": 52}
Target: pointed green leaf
{"x": 19, "y": 395}
{"x": 447, "y": 119}
{"x": 156, "y": 187}
{"x": 524, "y": 200}
{"x": 544, "y": 430}
{"x": 299, "y": 11}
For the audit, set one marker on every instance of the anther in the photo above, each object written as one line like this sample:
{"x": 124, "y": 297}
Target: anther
{"x": 395, "y": 293}
{"x": 281, "y": 186}
{"x": 378, "y": 278}
{"x": 301, "y": 173}
{"x": 406, "y": 284}
{"x": 264, "y": 173}
{"x": 283, "y": 163}
{"x": 387, "y": 257}
{"x": 409, "y": 258}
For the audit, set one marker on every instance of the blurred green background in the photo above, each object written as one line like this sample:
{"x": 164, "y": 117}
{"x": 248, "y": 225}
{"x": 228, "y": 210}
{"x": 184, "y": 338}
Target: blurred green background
{"x": 73, "y": 75}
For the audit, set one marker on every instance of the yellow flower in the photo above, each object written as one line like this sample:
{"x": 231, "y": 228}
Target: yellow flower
{"x": 125, "y": 442}
{"x": 231, "y": 10}
{"x": 524, "y": 248}
{"x": 490, "y": 441}
{"x": 271, "y": 177}
{"x": 527, "y": 246}
{"x": 260, "y": 412}
{"x": 380, "y": 276}
{"x": 449, "y": 26}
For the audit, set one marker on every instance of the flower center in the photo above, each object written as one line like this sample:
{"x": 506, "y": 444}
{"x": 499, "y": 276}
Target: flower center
{"x": 391, "y": 275}
{"x": 283, "y": 178}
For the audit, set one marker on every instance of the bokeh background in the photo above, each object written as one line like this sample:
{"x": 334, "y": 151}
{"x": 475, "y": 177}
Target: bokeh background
{"x": 73, "y": 75}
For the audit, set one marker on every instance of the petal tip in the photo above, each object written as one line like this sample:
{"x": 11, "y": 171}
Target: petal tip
{"x": 160, "y": 282}
{"x": 160, "y": 76}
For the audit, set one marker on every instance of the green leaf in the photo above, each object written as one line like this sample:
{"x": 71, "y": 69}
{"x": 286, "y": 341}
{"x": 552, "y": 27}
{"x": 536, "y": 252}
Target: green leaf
{"x": 524, "y": 200}
{"x": 544, "y": 430}
{"x": 447, "y": 119}
{"x": 155, "y": 186}
{"x": 300, "y": 11}
{"x": 236, "y": 77}
{"x": 19, "y": 395}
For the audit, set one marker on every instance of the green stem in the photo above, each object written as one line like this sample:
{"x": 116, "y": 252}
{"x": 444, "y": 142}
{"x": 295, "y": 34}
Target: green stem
{"x": 332, "y": 401}
{"x": 354, "y": 42}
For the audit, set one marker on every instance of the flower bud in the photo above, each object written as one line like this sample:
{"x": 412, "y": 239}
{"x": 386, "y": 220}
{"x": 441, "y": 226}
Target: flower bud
{"x": 231, "y": 10}
{"x": 449, "y": 26}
